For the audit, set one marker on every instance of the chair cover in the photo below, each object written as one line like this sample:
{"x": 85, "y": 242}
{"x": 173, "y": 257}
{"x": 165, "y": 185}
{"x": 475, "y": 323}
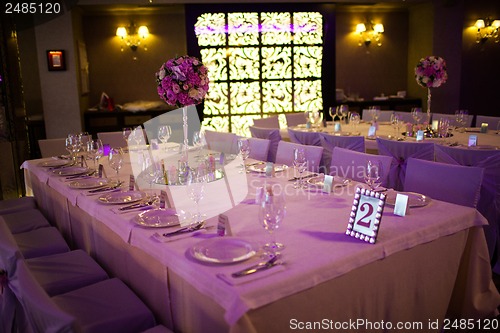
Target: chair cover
{"x": 52, "y": 147}
{"x": 351, "y": 164}
{"x": 259, "y": 148}
{"x": 41, "y": 242}
{"x": 328, "y": 141}
{"x": 405, "y": 117}
{"x": 493, "y": 122}
{"x": 284, "y": 154}
{"x": 268, "y": 122}
{"x": 113, "y": 139}
{"x": 294, "y": 119}
{"x": 304, "y": 138}
{"x": 272, "y": 135}
{"x": 452, "y": 183}
{"x": 222, "y": 141}
{"x": 158, "y": 329}
{"x": 64, "y": 272}
{"x": 24, "y": 221}
{"x": 489, "y": 200}
{"x": 452, "y": 119}
{"x": 385, "y": 115}
{"x": 15, "y": 205}
{"x": 400, "y": 151}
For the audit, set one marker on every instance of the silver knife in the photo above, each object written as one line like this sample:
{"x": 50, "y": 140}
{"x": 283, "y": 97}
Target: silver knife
{"x": 304, "y": 177}
{"x": 257, "y": 268}
{"x": 107, "y": 188}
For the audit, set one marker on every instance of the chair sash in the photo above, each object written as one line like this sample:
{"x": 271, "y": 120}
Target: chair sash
{"x": 328, "y": 142}
{"x": 304, "y": 138}
{"x": 284, "y": 154}
{"x": 400, "y": 151}
{"x": 272, "y": 135}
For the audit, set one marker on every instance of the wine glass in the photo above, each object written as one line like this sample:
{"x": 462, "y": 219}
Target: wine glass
{"x": 164, "y": 133}
{"x": 396, "y": 123}
{"x": 115, "y": 159}
{"x": 342, "y": 111}
{"x": 355, "y": 119}
{"x": 332, "y": 112}
{"x": 372, "y": 174}
{"x": 126, "y": 133}
{"x": 94, "y": 151}
{"x": 199, "y": 142}
{"x": 316, "y": 117}
{"x": 374, "y": 111}
{"x": 195, "y": 187}
{"x": 271, "y": 213}
{"x": 300, "y": 164}
{"x": 244, "y": 148}
{"x": 461, "y": 117}
{"x": 72, "y": 145}
{"x": 416, "y": 114}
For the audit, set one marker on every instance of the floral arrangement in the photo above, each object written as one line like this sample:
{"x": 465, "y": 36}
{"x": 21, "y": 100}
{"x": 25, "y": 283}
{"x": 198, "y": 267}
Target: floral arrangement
{"x": 431, "y": 72}
{"x": 182, "y": 81}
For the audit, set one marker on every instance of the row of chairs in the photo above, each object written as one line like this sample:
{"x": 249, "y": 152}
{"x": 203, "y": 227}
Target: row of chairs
{"x": 50, "y": 288}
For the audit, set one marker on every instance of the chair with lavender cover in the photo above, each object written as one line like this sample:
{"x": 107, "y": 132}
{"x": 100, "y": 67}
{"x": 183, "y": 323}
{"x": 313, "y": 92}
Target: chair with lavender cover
{"x": 222, "y": 141}
{"x": 294, "y": 119}
{"x": 328, "y": 141}
{"x": 284, "y": 154}
{"x": 24, "y": 221}
{"x": 268, "y": 122}
{"x": 451, "y": 183}
{"x": 16, "y": 205}
{"x": 113, "y": 139}
{"x": 452, "y": 119}
{"x": 259, "y": 148}
{"x": 489, "y": 200}
{"x": 304, "y": 137}
{"x": 351, "y": 164}
{"x": 52, "y": 147}
{"x": 400, "y": 151}
{"x": 272, "y": 134}
{"x": 493, "y": 122}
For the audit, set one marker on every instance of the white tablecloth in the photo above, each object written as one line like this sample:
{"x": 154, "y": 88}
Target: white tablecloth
{"x": 421, "y": 256}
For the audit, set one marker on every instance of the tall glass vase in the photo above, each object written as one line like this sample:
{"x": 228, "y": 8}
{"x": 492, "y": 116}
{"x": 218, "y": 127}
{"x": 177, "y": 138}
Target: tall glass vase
{"x": 185, "y": 144}
{"x": 429, "y": 107}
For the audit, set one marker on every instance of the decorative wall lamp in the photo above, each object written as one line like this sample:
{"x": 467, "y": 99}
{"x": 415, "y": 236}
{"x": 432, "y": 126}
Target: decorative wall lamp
{"x": 487, "y": 29}
{"x": 132, "y": 37}
{"x": 369, "y": 33}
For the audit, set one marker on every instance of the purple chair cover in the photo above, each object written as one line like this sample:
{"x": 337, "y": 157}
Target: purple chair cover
{"x": 351, "y": 164}
{"x": 285, "y": 154}
{"x": 452, "y": 183}
{"x": 294, "y": 119}
{"x": 400, "y": 151}
{"x": 304, "y": 138}
{"x": 452, "y": 119}
{"x": 259, "y": 148}
{"x": 222, "y": 142}
{"x": 493, "y": 122}
{"x": 489, "y": 200}
{"x": 328, "y": 141}
{"x": 272, "y": 135}
{"x": 113, "y": 139}
{"x": 24, "y": 221}
{"x": 268, "y": 122}
{"x": 15, "y": 205}
{"x": 41, "y": 242}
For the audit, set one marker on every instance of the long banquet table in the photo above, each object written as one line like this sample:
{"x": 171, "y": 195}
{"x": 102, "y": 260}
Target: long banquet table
{"x": 427, "y": 266}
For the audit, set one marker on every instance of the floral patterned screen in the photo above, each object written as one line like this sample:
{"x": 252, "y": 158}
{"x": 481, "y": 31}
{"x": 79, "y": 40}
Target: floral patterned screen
{"x": 260, "y": 64}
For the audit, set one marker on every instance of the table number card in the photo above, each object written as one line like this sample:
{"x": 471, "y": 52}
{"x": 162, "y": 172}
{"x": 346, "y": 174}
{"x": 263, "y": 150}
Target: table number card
{"x": 223, "y": 227}
{"x": 472, "y": 140}
{"x": 364, "y": 221}
{"x": 401, "y": 207}
{"x": 372, "y": 131}
{"x": 327, "y": 184}
{"x": 270, "y": 169}
{"x": 420, "y": 135}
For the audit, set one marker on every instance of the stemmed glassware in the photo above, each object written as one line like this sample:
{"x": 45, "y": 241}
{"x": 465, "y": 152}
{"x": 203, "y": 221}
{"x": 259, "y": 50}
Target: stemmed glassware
{"x": 374, "y": 111}
{"x": 199, "y": 142}
{"x": 355, "y": 119}
{"x": 126, "y": 133}
{"x": 342, "y": 111}
{"x": 195, "y": 188}
{"x": 73, "y": 145}
{"x": 94, "y": 151}
{"x": 271, "y": 213}
{"x": 244, "y": 148}
{"x": 115, "y": 160}
{"x": 316, "y": 117}
{"x": 300, "y": 164}
{"x": 417, "y": 115}
{"x": 372, "y": 174}
{"x": 396, "y": 124}
{"x": 461, "y": 117}
{"x": 164, "y": 133}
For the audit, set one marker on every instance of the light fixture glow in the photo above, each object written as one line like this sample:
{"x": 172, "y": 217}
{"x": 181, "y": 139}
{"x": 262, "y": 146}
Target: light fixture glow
{"x": 486, "y": 29}
{"x": 132, "y": 37}
{"x": 369, "y": 33}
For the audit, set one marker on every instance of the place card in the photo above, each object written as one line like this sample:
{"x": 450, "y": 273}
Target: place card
{"x": 401, "y": 207}
{"x": 420, "y": 135}
{"x": 131, "y": 184}
{"x": 223, "y": 227}
{"x": 472, "y": 140}
{"x": 337, "y": 127}
{"x": 164, "y": 200}
{"x": 101, "y": 171}
{"x": 270, "y": 169}
{"x": 366, "y": 214}
{"x": 372, "y": 131}
{"x": 327, "y": 184}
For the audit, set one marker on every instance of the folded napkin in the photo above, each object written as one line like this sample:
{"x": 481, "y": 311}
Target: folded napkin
{"x": 251, "y": 277}
{"x": 162, "y": 239}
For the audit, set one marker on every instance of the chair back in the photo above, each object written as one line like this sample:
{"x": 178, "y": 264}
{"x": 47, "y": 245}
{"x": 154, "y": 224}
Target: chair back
{"x": 272, "y": 134}
{"x": 304, "y": 137}
{"x": 328, "y": 142}
{"x": 452, "y": 183}
{"x": 52, "y": 147}
{"x": 284, "y": 154}
{"x": 222, "y": 141}
{"x": 385, "y": 115}
{"x": 268, "y": 122}
{"x": 294, "y": 119}
{"x": 113, "y": 139}
{"x": 259, "y": 148}
{"x": 400, "y": 151}
{"x": 493, "y": 122}
{"x": 452, "y": 119}
{"x": 406, "y": 117}
{"x": 351, "y": 164}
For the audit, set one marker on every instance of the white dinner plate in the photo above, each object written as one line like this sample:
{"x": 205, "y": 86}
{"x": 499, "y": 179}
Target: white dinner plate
{"x": 223, "y": 250}
{"x": 261, "y": 167}
{"x": 122, "y": 197}
{"x": 53, "y": 163}
{"x": 88, "y": 183}
{"x": 163, "y": 218}
{"x": 414, "y": 199}
{"x": 337, "y": 181}
{"x": 71, "y": 171}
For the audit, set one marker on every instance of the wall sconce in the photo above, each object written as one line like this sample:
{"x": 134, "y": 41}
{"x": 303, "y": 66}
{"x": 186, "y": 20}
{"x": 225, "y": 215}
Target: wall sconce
{"x": 132, "y": 37}
{"x": 487, "y": 29}
{"x": 369, "y": 33}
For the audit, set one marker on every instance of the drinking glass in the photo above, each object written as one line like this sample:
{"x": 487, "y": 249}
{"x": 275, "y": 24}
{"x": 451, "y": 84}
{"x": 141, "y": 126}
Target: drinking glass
{"x": 244, "y": 148}
{"x": 271, "y": 214}
{"x": 417, "y": 115}
{"x": 342, "y": 111}
{"x": 300, "y": 164}
{"x": 316, "y": 117}
{"x": 199, "y": 142}
{"x": 126, "y": 133}
{"x": 72, "y": 145}
{"x": 115, "y": 159}
{"x": 195, "y": 188}
{"x": 374, "y": 111}
{"x": 355, "y": 119}
{"x": 396, "y": 124}
{"x": 94, "y": 151}
{"x": 332, "y": 112}
{"x": 164, "y": 133}
{"x": 461, "y": 117}
{"x": 372, "y": 174}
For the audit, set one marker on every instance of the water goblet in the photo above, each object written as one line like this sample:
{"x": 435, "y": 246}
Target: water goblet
{"x": 164, "y": 133}
{"x": 374, "y": 111}
{"x": 115, "y": 160}
{"x": 372, "y": 174}
{"x": 94, "y": 150}
{"x": 126, "y": 133}
{"x": 199, "y": 143}
{"x": 416, "y": 114}
{"x": 244, "y": 148}
{"x": 332, "y": 112}
{"x": 271, "y": 214}
{"x": 195, "y": 188}
{"x": 300, "y": 164}
{"x": 396, "y": 123}
{"x": 72, "y": 145}
{"x": 355, "y": 119}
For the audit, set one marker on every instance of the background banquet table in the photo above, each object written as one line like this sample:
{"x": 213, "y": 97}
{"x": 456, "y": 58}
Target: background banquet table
{"x": 426, "y": 266}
